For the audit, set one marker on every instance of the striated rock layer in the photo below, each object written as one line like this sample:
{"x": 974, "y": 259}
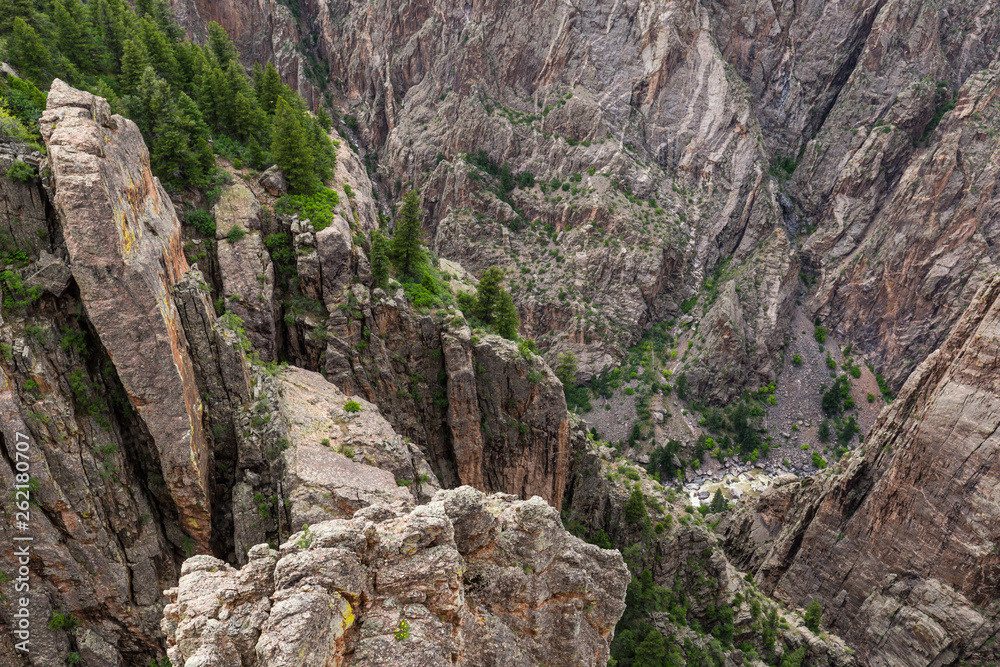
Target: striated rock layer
{"x": 899, "y": 543}
{"x": 629, "y": 106}
{"x": 467, "y": 579}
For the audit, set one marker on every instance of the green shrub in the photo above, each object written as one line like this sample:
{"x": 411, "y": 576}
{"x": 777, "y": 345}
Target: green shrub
{"x": 202, "y": 222}
{"x": 317, "y": 208}
{"x": 60, "y": 621}
{"x": 22, "y": 171}
{"x": 797, "y": 359}
{"x": 352, "y": 406}
{"x": 814, "y": 614}
{"x": 236, "y": 233}
{"x": 820, "y": 334}
{"x": 818, "y": 460}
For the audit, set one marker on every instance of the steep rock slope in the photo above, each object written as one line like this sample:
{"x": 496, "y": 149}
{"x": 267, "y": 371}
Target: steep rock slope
{"x": 665, "y": 545}
{"x": 671, "y": 189}
{"x": 900, "y": 541}
{"x": 484, "y": 412}
{"x": 905, "y": 206}
{"x": 466, "y": 579}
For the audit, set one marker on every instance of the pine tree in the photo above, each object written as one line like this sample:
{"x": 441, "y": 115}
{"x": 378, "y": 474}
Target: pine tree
{"x": 506, "y": 320}
{"x": 380, "y": 259}
{"x": 324, "y": 120}
{"x": 652, "y": 651}
{"x": 322, "y": 147}
{"x": 14, "y": 9}
{"x": 258, "y": 159}
{"x": 268, "y": 89}
{"x": 135, "y": 60}
{"x": 814, "y": 614}
{"x": 160, "y": 52}
{"x": 221, "y": 44}
{"x": 26, "y": 51}
{"x": 407, "y": 250}
{"x": 718, "y": 502}
{"x": 488, "y": 294}
{"x": 74, "y": 33}
{"x": 635, "y": 508}
{"x": 290, "y": 150}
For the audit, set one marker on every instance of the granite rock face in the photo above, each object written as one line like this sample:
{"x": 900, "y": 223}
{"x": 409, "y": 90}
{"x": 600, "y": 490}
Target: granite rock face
{"x": 484, "y": 413}
{"x": 900, "y": 183}
{"x": 343, "y": 455}
{"x": 245, "y": 266}
{"x": 899, "y": 542}
{"x": 594, "y": 104}
{"x": 124, "y": 247}
{"x": 467, "y": 579}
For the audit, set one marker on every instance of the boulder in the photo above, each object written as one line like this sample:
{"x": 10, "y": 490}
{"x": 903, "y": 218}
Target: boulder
{"x": 274, "y": 181}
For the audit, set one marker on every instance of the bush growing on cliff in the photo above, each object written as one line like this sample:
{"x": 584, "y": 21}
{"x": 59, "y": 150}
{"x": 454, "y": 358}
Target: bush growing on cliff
{"x": 22, "y": 172}
{"x": 813, "y": 616}
{"x": 202, "y": 222}
{"x": 316, "y": 207}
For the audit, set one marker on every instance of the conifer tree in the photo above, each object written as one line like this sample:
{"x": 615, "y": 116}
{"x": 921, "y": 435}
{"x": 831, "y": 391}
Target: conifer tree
{"x": 718, "y": 502}
{"x": 407, "y": 250}
{"x": 380, "y": 259}
{"x": 324, "y": 120}
{"x": 135, "y": 60}
{"x": 256, "y": 156}
{"x": 221, "y": 45}
{"x": 74, "y": 33}
{"x": 652, "y": 651}
{"x": 635, "y": 508}
{"x": 14, "y": 9}
{"x": 488, "y": 294}
{"x": 506, "y": 320}
{"x": 323, "y": 151}
{"x": 290, "y": 150}
{"x": 27, "y": 51}
{"x": 160, "y": 52}
{"x": 268, "y": 88}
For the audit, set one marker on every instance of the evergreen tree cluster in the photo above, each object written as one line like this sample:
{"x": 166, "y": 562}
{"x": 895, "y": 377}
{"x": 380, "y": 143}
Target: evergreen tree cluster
{"x": 190, "y": 102}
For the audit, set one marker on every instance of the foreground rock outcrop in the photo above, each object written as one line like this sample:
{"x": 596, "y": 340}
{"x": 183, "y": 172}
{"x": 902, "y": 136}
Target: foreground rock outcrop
{"x": 467, "y": 579}
{"x": 899, "y": 541}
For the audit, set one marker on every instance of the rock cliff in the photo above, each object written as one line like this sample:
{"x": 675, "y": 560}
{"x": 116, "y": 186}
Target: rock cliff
{"x": 899, "y": 540}
{"x": 633, "y": 198}
{"x": 159, "y": 429}
{"x": 123, "y": 243}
